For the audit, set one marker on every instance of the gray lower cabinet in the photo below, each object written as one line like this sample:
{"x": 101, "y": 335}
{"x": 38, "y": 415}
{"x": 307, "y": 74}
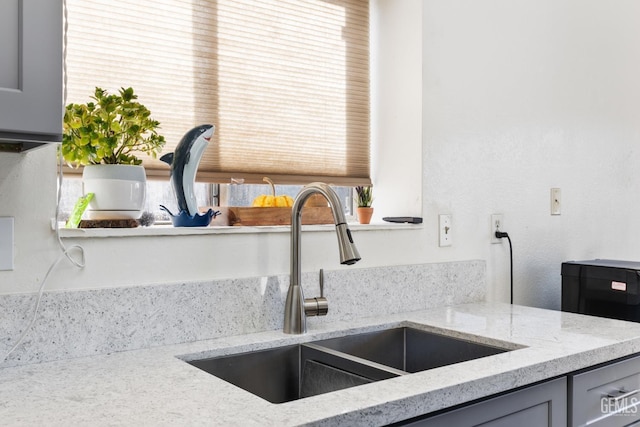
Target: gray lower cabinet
{"x": 539, "y": 405}
{"x": 606, "y": 396}
{"x": 600, "y": 396}
{"x": 31, "y": 104}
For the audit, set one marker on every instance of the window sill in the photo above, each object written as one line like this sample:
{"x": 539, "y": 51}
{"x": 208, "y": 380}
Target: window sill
{"x": 168, "y": 230}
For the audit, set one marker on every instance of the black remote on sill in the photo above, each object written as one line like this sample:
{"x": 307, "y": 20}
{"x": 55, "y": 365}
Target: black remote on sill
{"x": 403, "y": 219}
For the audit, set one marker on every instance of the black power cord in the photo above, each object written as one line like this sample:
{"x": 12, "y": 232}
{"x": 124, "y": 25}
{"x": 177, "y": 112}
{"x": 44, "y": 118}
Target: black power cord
{"x": 501, "y": 235}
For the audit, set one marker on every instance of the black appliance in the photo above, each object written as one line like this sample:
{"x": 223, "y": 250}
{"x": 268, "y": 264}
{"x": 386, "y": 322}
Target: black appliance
{"x": 602, "y": 287}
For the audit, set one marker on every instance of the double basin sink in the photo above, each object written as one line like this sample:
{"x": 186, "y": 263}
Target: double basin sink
{"x": 287, "y": 373}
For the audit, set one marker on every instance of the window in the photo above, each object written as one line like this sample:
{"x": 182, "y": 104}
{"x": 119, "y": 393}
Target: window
{"x": 285, "y": 82}
{"x": 160, "y": 193}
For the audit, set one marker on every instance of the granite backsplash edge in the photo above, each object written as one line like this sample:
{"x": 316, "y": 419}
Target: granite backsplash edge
{"x": 89, "y": 322}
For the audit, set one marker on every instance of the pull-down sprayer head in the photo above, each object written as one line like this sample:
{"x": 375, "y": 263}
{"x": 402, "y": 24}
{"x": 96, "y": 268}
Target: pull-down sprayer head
{"x": 348, "y": 252}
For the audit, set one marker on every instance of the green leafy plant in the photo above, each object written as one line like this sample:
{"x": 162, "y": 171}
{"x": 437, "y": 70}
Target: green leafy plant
{"x": 364, "y": 196}
{"x": 110, "y": 130}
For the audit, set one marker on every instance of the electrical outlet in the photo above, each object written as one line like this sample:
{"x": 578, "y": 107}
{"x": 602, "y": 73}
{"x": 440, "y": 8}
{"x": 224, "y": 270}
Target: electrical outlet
{"x": 555, "y": 202}
{"x": 445, "y": 230}
{"x": 496, "y": 225}
{"x": 6, "y": 243}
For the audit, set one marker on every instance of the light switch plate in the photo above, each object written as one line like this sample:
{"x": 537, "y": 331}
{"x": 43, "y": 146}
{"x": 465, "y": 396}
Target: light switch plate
{"x": 444, "y": 226}
{"x": 556, "y": 208}
{"x": 6, "y": 243}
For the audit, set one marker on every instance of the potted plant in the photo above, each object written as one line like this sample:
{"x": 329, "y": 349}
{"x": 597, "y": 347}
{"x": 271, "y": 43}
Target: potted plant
{"x": 105, "y": 136}
{"x": 364, "y": 198}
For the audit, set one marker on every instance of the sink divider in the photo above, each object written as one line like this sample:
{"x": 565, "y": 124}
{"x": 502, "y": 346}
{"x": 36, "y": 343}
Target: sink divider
{"x": 348, "y": 363}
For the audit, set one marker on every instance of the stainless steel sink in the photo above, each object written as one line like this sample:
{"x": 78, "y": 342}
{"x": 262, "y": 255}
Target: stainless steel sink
{"x": 409, "y": 349}
{"x": 293, "y": 372}
{"x": 288, "y": 373}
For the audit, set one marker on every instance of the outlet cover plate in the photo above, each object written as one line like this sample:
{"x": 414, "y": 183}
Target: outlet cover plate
{"x": 6, "y": 243}
{"x": 496, "y": 225}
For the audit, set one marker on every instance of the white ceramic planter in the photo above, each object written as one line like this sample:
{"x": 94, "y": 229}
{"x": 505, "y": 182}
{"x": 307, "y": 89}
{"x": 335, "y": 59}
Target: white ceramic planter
{"x": 119, "y": 191}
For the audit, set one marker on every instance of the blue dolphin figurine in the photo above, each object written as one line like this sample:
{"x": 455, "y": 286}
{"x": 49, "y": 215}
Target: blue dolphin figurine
{"x": 184, "y": 162}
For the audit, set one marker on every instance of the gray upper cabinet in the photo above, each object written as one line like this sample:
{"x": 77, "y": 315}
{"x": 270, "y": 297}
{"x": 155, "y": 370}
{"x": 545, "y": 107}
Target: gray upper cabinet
{"x": 31, "y": 104}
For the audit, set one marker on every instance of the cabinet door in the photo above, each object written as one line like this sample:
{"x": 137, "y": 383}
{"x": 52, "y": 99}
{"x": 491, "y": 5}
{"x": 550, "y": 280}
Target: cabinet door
{"x": 608, "y": 396}
{"x": 31, "y": 70}
{"x": 536, "y": 406}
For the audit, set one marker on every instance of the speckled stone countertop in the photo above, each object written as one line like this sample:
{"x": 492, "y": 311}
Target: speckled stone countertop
{"x": 156, "y": 387}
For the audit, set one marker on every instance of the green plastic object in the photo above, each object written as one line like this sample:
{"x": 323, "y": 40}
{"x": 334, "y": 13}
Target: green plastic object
{"x": 78, "y": 210}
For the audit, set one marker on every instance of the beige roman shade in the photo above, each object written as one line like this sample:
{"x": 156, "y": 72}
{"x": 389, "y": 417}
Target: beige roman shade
{"x": 285, "y": 82}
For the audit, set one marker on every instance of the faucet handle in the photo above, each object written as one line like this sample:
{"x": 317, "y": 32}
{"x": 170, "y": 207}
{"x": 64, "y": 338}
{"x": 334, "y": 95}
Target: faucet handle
{"x": 318, "y": 306}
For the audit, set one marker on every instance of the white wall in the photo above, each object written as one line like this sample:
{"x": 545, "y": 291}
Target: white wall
{"x": 521, "y": 96}
{"x": 517, "y": 97}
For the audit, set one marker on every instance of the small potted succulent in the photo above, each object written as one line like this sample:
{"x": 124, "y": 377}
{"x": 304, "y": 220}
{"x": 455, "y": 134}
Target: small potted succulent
{"x": 105, "y": 136}
{"x": 364, "y": 199}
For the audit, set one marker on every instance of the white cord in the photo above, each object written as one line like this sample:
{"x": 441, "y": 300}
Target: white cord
{"x": 66, "y": 252}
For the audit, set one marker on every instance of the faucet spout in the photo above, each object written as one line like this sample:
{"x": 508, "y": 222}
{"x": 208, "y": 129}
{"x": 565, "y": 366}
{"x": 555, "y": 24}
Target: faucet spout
{"x": 295, "y": 320}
